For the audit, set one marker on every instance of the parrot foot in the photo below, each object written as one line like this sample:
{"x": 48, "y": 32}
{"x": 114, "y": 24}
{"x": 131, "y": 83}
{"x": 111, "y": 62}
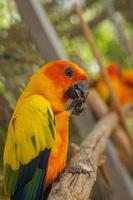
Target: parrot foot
{"x": 76, "y": 170}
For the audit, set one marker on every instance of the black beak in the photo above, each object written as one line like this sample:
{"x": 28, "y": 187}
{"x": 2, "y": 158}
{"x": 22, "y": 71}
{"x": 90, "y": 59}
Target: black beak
{"x": 78, "y": 92}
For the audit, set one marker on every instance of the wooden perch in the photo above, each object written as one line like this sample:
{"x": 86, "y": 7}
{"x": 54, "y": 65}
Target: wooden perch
{"x": 79, "y": 186}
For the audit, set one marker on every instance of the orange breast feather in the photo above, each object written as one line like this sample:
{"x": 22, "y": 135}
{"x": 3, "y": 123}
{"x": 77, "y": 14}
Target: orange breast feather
{"x": 58, "y": 156}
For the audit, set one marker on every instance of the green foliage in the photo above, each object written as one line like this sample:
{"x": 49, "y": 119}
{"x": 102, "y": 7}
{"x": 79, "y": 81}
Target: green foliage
{"x": 109, "y": 44}
{"x": 8, "y": 13}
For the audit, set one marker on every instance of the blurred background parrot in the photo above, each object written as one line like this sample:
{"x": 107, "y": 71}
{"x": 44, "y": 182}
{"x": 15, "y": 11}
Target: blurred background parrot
{"x": 36, "y": 148}
{"x": 127, "y": 79}
{"x": 122, "y": 83}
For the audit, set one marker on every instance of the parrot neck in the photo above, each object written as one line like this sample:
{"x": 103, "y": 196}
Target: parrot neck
{"x": 43, "y": 86}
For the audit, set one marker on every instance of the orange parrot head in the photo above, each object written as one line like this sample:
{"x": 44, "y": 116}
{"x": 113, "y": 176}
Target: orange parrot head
{"x": 59, "y": 81}
{"x": 114, "y": 72}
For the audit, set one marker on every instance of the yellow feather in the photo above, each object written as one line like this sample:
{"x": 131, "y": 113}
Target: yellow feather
{"x": 29, "y": 131}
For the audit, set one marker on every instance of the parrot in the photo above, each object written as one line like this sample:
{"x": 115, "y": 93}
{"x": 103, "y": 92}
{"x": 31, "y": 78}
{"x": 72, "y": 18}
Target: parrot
{"x": 116, "y": 77}
{"x": 36, "y": 147}
{"x": 127, "y": 79}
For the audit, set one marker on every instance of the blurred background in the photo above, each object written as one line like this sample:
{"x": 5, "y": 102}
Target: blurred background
{"x": 112, "y": 26}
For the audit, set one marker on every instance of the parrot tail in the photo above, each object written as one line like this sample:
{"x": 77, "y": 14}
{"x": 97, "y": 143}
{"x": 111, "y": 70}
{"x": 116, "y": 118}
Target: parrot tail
{"x": 31, "y": 191}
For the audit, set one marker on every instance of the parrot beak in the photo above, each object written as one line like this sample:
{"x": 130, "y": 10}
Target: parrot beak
{"x": 78, "y": 92}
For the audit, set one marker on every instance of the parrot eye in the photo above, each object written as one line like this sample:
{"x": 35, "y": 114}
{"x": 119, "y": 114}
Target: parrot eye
{"x": 68, "y": 71}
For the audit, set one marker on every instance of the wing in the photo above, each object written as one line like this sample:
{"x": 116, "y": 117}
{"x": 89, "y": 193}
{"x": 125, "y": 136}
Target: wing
{"x": 30, "y": 137}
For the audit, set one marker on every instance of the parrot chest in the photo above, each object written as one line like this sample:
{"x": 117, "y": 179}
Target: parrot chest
{"x": 57, "y": 160}
{"x": 58, "y": 155}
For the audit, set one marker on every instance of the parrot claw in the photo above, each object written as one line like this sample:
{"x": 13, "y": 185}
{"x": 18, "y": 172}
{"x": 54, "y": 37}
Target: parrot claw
{"x": 76, "y": 170}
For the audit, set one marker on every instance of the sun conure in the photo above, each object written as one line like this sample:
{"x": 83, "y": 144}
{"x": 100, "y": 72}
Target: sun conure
{"x": 127, "y": 79}
{"x": 37, "y": 142}
{"x": 117, "y": 79}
